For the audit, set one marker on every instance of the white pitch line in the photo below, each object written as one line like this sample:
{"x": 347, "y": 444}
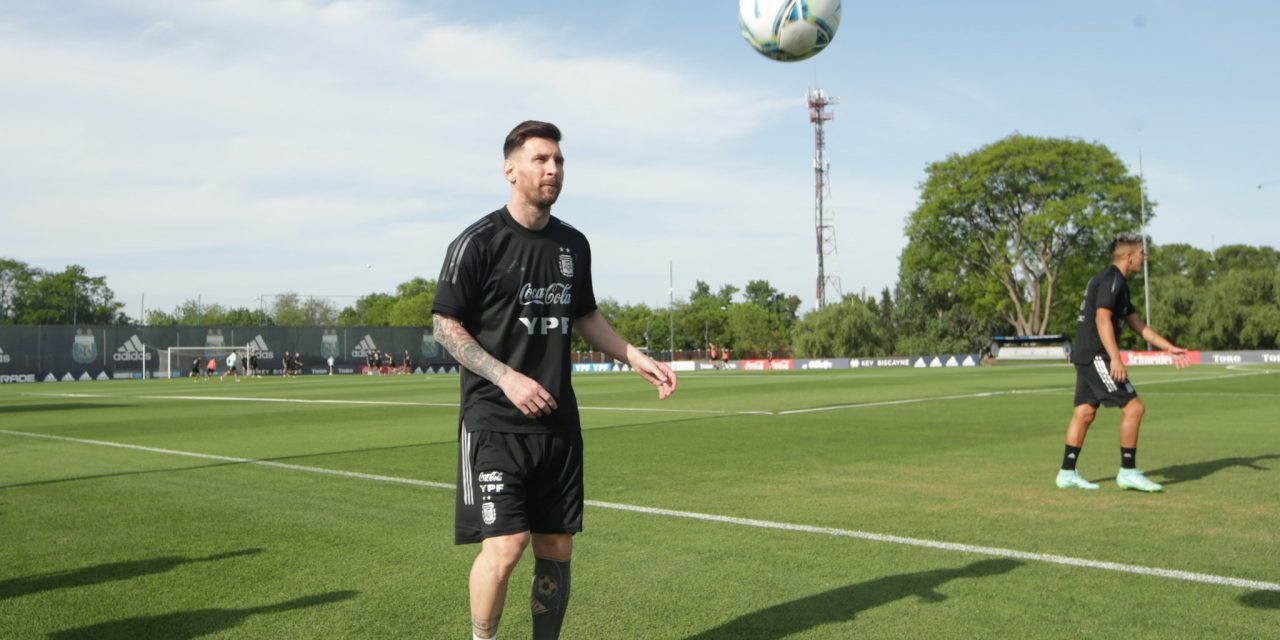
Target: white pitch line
{"x": 235, "y": 460}
{"x": 1172, "y": 574}
{"x": 389, "y": 403}
{"x": 887, "y": 403}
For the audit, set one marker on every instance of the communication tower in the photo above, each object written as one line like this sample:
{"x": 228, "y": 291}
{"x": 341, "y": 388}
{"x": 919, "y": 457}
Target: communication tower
{"x": 824, "y": 229}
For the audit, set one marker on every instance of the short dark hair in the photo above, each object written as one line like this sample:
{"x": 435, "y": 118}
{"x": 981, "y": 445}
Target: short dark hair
{"x": 1124, "y": 239}
{"x": 529, "y": 129}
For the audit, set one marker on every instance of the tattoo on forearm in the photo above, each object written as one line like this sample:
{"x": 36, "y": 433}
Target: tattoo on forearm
{"x": 455, "y": 339}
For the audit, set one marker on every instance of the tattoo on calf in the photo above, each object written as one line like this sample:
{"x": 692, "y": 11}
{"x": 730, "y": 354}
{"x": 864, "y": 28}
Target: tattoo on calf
{"x": 486, "y": 628}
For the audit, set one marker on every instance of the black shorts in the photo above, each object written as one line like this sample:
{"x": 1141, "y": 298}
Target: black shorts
{"x": 1095, "y": 386}
{"x": 514, "y": 482}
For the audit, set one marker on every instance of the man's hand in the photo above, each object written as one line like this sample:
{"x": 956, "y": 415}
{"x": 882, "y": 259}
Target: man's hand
{"x": 526, "y": 394}
{"x": 1118, "y": 371}
{"x": 658, "y": 374}
{"x": 1180, "y": 359}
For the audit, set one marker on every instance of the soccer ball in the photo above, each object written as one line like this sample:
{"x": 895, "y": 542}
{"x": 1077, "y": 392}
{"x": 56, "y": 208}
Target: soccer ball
{"x": 789, "y": 30}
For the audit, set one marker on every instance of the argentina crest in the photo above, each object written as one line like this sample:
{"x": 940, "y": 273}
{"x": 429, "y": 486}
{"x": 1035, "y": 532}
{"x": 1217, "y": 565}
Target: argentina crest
{"x": 566, "y": 263}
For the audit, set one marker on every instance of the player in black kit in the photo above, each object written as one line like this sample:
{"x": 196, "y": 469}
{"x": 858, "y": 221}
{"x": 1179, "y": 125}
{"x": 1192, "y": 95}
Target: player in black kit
{"x": 513, "y": 287}
{"x": 1101, "y": 376}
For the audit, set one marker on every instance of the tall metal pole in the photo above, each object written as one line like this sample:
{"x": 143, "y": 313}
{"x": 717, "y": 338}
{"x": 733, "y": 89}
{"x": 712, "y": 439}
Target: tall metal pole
{"x": 1146, "y": 278}
{"x": 824, "y": 231}
{"x": 671, "y": 307}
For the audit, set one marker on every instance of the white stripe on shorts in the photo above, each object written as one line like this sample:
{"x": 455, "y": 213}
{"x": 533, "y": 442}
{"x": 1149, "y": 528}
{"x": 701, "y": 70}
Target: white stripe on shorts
{"x": 468, "y": 494}
{"x": 1104, "y": 373}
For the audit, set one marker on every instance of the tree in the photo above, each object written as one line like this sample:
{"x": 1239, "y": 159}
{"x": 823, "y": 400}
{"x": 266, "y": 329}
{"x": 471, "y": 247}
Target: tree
{"x": 847, "y": 329}
{"x": 191, "y": 313}
{"x": 13, "y": 276}
{"x": 412, "y": 307}
{"x": 71, "y": 296}
{"x": 290, "y": 311}
{"x": 1003, "y": 231}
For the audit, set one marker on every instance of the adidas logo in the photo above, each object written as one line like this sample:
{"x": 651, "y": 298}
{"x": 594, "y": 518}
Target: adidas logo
{"x": 131, "y": 350}
{"x": 259, "y": 346}
{"x": 4, "y": 357}
{"x": 366, "y": 346}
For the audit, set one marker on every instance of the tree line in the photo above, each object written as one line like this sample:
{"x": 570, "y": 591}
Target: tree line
{"x": 1002, "y": 242}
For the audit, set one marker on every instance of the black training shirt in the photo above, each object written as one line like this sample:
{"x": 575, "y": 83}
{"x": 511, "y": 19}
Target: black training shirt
{"x": 1107, "y": 290}
{"x": 518, "y": 292}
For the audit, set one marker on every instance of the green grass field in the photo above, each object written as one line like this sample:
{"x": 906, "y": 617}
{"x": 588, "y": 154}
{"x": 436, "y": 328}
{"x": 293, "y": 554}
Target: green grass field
{"x": 322, "y": 507}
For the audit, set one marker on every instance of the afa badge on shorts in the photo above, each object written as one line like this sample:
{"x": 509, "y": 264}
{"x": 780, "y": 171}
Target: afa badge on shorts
{"x": 488, "y": 513}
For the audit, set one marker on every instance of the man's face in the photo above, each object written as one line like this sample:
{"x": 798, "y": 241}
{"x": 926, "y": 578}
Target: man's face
{"x": 536, "y": 171}
{"x": 1134, "y": 260}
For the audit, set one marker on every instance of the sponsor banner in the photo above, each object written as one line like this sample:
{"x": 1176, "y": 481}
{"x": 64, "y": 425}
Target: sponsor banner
{"x": 1145, "y": 358}
{"x": 782, "y": 364}
{"x": 755, "y": 365}
{"x": 683, "y": 365}
{"x": 823, "y": 364}
{"x": 593, "y": 367}
{"x": 951, "y": 360}
{"x": 1240, "y": 357}
{"x": 875, "y": 363}
{"x": 17, "y": 378}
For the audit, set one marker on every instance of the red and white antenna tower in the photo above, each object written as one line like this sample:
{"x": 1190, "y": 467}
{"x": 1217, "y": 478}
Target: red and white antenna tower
{"x": 824, "y": 229}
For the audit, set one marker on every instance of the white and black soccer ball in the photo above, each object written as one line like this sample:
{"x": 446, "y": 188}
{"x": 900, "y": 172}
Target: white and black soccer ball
{"x": 789, "y": 30}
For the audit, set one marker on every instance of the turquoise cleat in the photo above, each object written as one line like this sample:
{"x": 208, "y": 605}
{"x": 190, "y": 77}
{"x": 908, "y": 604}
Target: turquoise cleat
{"x": 1133, "y": 479}
{"x": 1068, "y": 478}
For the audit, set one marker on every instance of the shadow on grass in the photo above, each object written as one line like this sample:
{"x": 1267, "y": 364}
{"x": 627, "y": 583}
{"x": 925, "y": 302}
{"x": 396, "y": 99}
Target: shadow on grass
{"x": 110, "y": 572}
{"x": 190, "y": 624}
{"x": 844, "y": 604}
{"x": 1201, "y": 470}
{"x": 118, "y": 474}
{"x": 1262, "y": 600}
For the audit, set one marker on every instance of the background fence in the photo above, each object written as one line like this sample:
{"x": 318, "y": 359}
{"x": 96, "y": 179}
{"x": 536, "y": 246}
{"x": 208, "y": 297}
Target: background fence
{"x": 104, "y": 352}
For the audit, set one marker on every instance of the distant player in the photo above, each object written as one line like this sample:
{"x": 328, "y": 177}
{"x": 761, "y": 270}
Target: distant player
{"x": 297, "y": 363}
{"x": 406, "y": 366}
{"x": 232, "y": 358}
{"x": 211, "y": 369}
{"x": 195, "y": 368}
{"x": 1101, "y": 376}
{"x": 284, "y": 364}
{"x": 253, "y": 364}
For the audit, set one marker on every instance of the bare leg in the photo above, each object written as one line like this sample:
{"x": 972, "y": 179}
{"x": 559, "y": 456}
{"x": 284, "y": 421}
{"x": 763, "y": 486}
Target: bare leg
{"x": 1078, "y": 428}
{"x": 490, "y": 575}
{"x": 1130, "y": 422}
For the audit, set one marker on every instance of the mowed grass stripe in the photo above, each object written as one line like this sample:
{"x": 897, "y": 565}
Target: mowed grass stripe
{"x": 1172, "y": 574}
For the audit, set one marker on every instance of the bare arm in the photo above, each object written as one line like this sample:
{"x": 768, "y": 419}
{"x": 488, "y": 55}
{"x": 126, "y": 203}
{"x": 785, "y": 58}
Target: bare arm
{"x": 596, "y": 330}
{"x": 1160, "y": 342}
{"x": 524, "y": 392}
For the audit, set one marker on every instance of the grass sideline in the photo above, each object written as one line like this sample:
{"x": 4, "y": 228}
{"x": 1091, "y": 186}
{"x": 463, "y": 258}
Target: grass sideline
{"x": 110, "y": 542}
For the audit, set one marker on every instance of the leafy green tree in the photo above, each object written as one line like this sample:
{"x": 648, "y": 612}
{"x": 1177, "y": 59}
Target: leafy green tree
{"x": 1240, "y": 310}
{"x": 372, "y": 310}
{"x": 192, "y": 313}
{"x": 412, "y": 307}
{"x": 71, "y": 296}
{"x": 13, "y": 276}
{"x": 1002, "y": 232}
{"x": 289, "y": 310}
{"x": 850, "y": 328}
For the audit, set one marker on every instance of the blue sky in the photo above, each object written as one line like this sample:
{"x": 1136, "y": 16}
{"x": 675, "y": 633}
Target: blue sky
{"x": 241, "y": 148}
